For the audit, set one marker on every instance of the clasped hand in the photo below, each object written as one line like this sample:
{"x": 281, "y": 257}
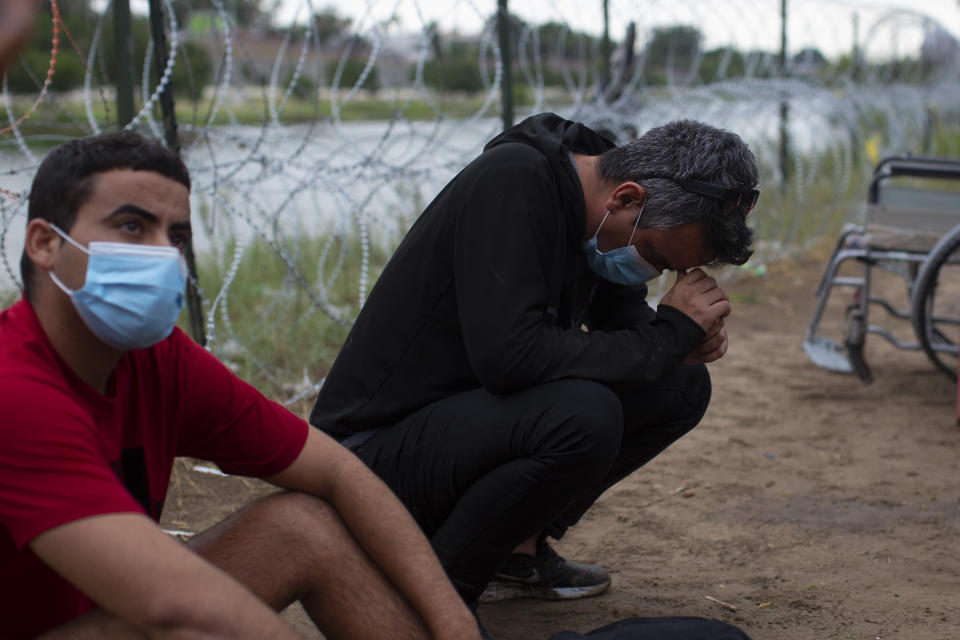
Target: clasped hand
{"x": 700, "y": 297}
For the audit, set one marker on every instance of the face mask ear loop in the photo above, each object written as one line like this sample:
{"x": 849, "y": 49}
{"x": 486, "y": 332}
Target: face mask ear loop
{"x": 60, "y": 284}
{"x": 63, "y": 234}
{"x": 597, "y": 232}
{"x": 635, "y": 224}
{"x": 66, "y": 237}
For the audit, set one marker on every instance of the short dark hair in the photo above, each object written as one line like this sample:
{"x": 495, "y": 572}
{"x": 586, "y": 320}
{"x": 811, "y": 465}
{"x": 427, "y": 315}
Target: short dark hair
{"x": 66, "y": 177}
{"x": 688, "y": 149}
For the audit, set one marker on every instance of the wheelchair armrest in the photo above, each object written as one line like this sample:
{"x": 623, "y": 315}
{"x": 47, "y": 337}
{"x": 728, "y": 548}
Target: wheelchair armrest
{"x": 915, "y": 166}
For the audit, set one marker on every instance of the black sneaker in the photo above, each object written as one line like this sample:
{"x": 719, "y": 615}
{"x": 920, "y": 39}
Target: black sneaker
{"x": 545, "y": 576}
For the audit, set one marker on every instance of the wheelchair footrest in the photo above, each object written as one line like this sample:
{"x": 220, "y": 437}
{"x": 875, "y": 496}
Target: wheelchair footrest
{"x": 827, "y": 354}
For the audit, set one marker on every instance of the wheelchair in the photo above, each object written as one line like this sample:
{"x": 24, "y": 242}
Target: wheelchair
{"x": 912, "y": 230}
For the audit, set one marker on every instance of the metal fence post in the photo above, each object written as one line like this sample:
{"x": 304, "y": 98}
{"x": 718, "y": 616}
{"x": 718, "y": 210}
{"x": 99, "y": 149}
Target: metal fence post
{"x": 160, "y": 54}
{"x": 506, "y": 88}
{"x": 605, "y": 49}
{"x": 123, "y": 49}
{"x": 784, "y": 104}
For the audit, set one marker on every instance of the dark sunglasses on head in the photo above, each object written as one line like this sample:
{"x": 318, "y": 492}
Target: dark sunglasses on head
{"x": 731, "y": 199}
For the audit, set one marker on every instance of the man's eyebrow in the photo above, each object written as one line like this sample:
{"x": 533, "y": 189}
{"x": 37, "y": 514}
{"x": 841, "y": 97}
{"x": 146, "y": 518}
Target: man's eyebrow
{"x": 134, "y": 209}
{"x": 182, "y": 226}
{"x": 148, "y": 216}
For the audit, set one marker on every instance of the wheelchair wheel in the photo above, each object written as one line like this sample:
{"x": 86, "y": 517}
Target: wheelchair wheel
{"x": 854, "y": 337}
{"x": 935, "y": 304}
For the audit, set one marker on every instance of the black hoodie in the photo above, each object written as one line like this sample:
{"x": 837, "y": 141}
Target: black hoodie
{"x": 491, "y": 288}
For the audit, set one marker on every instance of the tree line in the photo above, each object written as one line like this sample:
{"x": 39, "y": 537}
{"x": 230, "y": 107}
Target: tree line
{"x": 672, "y": 54}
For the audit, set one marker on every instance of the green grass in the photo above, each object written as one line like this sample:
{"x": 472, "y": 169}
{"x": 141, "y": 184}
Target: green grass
{"x": 68, "y": 118}
{"x": 274, "y": 329}
{"x": 741, "y": 298}
{"x": 792, "y": 216}
{"x": 298, "y": 110}
{"x": 946, "y": 141}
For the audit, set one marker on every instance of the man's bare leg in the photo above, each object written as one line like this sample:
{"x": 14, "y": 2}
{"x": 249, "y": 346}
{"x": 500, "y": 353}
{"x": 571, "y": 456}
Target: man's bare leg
{"x": 528, "y": 546}
{"x": 289, "y": 547}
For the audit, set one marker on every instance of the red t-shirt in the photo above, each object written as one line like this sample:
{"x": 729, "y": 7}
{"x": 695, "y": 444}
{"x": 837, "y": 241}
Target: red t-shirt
{"x": 69, "y": 452}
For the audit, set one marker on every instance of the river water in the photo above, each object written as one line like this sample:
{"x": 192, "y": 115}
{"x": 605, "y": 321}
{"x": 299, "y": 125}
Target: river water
{"x": 372, "y": 178}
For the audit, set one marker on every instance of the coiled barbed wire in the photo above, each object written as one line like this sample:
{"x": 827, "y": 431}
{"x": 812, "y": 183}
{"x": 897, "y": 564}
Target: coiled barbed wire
{"x": 266, "y": 176}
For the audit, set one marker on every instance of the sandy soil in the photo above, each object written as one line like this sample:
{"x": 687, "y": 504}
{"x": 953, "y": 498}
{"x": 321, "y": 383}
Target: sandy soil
{"x": 813, "y": 505}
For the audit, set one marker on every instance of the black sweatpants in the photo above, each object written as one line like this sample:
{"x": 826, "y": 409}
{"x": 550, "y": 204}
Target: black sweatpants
{"x": 481, "y": 473}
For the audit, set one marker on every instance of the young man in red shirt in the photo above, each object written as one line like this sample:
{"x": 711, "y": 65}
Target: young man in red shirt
{"x": 99, "y": 392}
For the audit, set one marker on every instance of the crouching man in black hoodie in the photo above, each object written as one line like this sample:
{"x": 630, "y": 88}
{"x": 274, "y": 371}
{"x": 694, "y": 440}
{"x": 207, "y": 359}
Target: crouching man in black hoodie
{"x": 506, "y": 369}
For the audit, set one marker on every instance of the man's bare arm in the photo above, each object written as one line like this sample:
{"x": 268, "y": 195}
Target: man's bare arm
{"x": 16, "y": 24}
{"x": 385, "y": 530}
{"x": 134, "y": 571}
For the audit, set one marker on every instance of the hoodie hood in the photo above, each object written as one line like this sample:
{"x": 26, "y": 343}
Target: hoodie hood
{"x": 554, "y": 137}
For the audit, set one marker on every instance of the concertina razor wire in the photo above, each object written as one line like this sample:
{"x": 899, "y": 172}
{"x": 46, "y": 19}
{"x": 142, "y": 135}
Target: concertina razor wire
{"x": 314, "y": 138}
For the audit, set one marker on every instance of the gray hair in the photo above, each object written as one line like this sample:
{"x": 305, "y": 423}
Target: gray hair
{"x": 688, "y": 149}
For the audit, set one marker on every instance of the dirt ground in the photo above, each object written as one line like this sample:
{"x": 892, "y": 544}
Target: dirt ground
{"x": 812, "y": 505}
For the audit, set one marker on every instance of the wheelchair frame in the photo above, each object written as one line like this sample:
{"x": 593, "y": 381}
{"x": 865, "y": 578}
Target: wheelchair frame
{"x": 910, "y": 232}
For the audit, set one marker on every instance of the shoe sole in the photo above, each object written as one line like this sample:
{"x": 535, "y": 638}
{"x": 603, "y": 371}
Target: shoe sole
{"x": 499, "y": 590}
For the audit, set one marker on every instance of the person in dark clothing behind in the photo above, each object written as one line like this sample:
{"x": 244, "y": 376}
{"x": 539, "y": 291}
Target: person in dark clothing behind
{"x": 506, "y": 369}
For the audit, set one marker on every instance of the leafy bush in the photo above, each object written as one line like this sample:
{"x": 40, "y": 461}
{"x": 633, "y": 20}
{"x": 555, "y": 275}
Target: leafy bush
{"x": 192, "y": 71}
{"x": 352, "y": 69}
{"x": 68, "y": 73}
{"x": 453, "y": 74}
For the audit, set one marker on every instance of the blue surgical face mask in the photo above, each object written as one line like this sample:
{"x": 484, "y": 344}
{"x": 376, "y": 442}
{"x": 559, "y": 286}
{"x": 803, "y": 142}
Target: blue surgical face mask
{"x": 624, "y": 265}
{"x": 132, "y": 294}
